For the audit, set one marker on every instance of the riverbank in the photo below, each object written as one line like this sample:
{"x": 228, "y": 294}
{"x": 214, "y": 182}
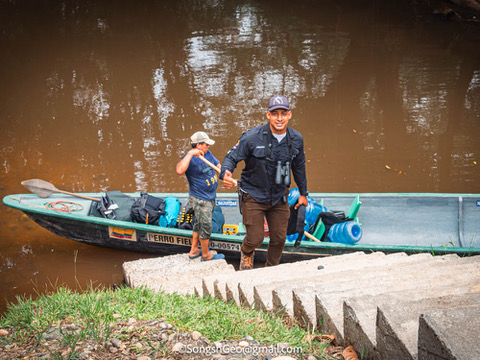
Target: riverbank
{"x": 130, "y": 323}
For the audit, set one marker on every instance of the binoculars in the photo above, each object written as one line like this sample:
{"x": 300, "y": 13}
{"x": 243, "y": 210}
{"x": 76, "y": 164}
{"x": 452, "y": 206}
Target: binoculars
{"x": 282, "y": 175}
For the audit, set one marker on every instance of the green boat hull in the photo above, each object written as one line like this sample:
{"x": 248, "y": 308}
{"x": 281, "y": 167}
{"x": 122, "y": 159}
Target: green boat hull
{"x": 411, "y": 223}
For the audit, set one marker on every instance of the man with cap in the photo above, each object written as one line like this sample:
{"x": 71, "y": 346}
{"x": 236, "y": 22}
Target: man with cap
{"x": 270, "y": 151}
{"x": 203, "y": 182}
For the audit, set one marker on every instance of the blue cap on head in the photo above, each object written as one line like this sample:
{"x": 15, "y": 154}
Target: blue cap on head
{"x": 278, "y": 102}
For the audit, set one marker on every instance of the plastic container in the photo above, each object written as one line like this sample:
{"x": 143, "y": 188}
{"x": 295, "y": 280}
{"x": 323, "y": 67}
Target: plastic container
{"x": 313, "y": 210}
{"x": 293, "y": 196}
{"x": 266, "y": 232}
{"x": 348, "y": 232}
{"x": 292, "y": 237}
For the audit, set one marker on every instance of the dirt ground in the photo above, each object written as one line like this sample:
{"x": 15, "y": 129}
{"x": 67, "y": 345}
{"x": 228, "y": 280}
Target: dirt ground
{"x": 143, "y": 340}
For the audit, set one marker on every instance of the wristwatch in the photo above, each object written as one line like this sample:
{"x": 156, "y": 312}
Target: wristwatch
{"x": 306, "y": 194}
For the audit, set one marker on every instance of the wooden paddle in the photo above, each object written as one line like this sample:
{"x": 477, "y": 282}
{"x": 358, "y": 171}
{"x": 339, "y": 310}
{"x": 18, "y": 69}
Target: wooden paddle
{"x": 45, "y": 189}
{"x": 310, "y": 236}
{"x": 216, "y": 168}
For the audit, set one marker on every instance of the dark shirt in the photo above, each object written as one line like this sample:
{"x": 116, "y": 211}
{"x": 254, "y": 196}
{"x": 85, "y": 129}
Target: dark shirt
{"x": 258, "y": 176}
{"x": 202, "y": 179}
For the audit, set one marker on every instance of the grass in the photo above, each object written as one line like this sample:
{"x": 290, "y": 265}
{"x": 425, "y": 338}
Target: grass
{"x": 94, "y": 310}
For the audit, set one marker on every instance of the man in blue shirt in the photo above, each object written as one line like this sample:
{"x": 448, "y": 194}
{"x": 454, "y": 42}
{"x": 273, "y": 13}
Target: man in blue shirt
{"x": 270, "y": 152}
{"x": 203, "y": 182}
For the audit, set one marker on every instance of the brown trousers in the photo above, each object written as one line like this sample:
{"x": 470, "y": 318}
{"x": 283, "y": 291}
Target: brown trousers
{"x": 253, "y": 214}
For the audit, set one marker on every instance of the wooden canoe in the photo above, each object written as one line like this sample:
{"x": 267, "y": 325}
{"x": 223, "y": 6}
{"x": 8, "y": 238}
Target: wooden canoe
{"x": 390, "y": 222}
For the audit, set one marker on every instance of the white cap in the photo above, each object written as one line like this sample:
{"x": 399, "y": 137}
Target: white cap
{"x": 201, "y": 137}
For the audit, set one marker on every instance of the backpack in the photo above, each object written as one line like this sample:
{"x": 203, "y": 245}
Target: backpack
{"x": 296, "y": 223}
{"x": 186, "y": 219}
{"x": 172, "y": 208}
{"x": 148, "y": 209}
{"x": 218, "y": 220}
{"x": 114, "y": 205}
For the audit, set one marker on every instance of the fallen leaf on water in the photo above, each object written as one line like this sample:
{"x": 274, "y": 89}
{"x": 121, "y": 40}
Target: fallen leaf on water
{"x": 355, "y": 131}
{"x": 349, "y": 353}
{"x": 475, "y": 162}
{"x": 431, "y": 132}
{"x": 388, "y": 167}
{"x": 399, "y": 172}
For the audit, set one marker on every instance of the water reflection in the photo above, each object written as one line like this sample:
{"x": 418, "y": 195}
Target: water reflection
{"x": 98, "y": 98}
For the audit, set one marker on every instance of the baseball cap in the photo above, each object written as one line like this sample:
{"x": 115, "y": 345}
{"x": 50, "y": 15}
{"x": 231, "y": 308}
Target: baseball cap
{"x": 200, "y": 137}
{"x": 278, "y": 102}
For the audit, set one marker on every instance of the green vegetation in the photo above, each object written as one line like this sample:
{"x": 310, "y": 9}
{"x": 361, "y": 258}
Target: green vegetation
{"x": 95, "y": 310}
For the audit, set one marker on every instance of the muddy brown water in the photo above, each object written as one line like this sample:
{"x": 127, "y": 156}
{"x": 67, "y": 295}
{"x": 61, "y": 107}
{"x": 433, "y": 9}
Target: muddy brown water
{"x": 97, "y": 97}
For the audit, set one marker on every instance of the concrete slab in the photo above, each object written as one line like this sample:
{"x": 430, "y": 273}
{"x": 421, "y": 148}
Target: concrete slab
{"x": 398, "y": 325}
{"x": 282, "y": 301}
{"x": 360, "y": 313}
{"x": 277, "y": 295}
{"x": 303, "y": 307}
{"x": 172, "y": 274}
{"x": 240, "y": 289}
{"x": 329, "y": 305}
{"x": 217, "y": 285}
{"x": 450, "y": 334}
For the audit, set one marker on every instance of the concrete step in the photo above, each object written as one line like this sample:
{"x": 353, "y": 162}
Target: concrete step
{"x": 398, "y": 325}
{"x": 360, "y": 313}
{"x": 277, "y": 296}
{"x": 216, "y": 285}
{"x": 329, "y": 305}
{"x": 450, "y": 334}
{"x": 246, "y": 290}
{"x": 172, "y": 274}
{"x": 341, "y": 298}
{"x": 303, "y": 308}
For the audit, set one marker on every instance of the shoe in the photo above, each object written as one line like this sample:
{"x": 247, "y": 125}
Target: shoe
{"x": 215, "y": 257}
{"x": 246, "y": 261}
{"x": 195, "y": 256}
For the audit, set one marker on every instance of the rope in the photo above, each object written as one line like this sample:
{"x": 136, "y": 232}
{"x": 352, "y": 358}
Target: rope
{"x": 64, "y": 206}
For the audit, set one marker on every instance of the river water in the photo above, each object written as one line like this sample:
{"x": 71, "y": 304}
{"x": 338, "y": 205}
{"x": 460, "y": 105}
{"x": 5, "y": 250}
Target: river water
{"x": 98, "y": 97}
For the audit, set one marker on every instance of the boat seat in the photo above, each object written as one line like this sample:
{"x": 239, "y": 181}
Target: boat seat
{"x": 354, "y": 208}
{"x": 351, "y": 213}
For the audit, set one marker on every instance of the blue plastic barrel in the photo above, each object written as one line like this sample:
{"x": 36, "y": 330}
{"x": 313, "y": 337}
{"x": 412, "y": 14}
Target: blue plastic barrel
{"x": 348, "y": 232}
{"x": 293, "y": 196}
{"x": 313, "y": 210}
{"x": 292, "y": 237}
